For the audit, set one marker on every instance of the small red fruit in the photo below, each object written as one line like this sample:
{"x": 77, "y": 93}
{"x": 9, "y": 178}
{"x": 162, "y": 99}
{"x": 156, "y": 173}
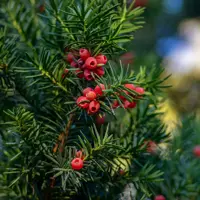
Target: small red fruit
{"x": 42, "y": 8}
{"x": 121, "y": 172}
{"x": 88, "y": 75}
{"x": 139, "y": 90}
{"x": 130, "y": 86}
{"x": 159, "y": 197}
{"x": 100, "y": 119}
{"x": 82, "y": 102}
{"x": 99, "y": 89}
{"x": 115, "y": 104}
{"x": 86, "y": 90}
{"x": 91, "y": 63}
{"x": 122, "y": 97}
{"x": 79, "y": 73}
{"x": 84, "y": 54}
{"x": 74, "y": 64}
{"x": 65, "y": 73}
{"x": 94, "y": 107}
{"x": 196, "y": 151}
{"x": 91, "y": 95}
{"x": 101, "y": 59}
{"x": 127, "y": 58}
{"x": 140, "y": 3}
{"x": 100, "y": 71}
{"x": 70, "y": 57}
{"x": 132, "y": 104}
{"x": 128, "y": 104}
{"x": 77, "y": 163}
{"x": 79, "y": 154}
{"x": 151, "y": 147}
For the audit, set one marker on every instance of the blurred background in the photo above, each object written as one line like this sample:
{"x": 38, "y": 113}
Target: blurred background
{"x": 171, "y": 38}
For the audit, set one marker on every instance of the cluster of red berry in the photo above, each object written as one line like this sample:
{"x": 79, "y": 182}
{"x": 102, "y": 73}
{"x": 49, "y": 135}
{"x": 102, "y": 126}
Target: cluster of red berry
{"x": 159, "y": 197}
{"x": 89, "y": 100}
{"x": 77, "y": 163}
{"x": 87, "y": 66}
{"x": 127, "y": 104}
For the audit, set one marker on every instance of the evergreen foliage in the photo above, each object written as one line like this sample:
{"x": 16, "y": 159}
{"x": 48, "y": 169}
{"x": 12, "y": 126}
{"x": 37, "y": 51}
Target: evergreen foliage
{"x": 41, "y": 125}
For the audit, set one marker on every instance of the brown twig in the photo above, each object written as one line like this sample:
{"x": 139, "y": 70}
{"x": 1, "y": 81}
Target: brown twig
{"x": 71, "y": 118}
{"x": 63, "y": 136}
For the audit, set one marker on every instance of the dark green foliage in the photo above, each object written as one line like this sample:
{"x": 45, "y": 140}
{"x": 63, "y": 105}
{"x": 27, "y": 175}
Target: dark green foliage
{"x": 99, "y": 25}
{"x": 41, "y": 125}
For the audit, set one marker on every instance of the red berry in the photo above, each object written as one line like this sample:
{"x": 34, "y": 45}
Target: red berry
{"x": 100, "y": 119}
{"x": 141, "y": 3}
{"x": 132, "y": 104}
{"x": 94, "y": 107}
{"x": 122, "y": 97}
{"x": 115, "y": 104}
{"x": 79, "y": 73}
{"x": 86, "y": 90}
{"x": 84, "y": 54}
{"x": 65, "y": 73}
{"x": 101, "y": 59}
{"x": 151, "y": 147}
{"x": 128, "y": 104}
{"x": 99, "y": 89}
{"x": 82, "y": 102}
{"x": 88, "y": 75}
{"x": 91, "y": 63}
{"x": 70, "y": 57}
{"x": 100, "y": 71}
{"x": 77, "y": 163}
{"x": 121, "y": 172}
{"x": 91, "y": 95}
{"x": 79, "y": 154}
{"x": 196, "y": 151}
{"x": 159, "y": 197}
{"x": 130, "y": 86}
{"x": 127, "y": 58}
{"x": 42, "y": 8}
{"x": 139, "y": 90}
{"x": 74, "y": 64}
